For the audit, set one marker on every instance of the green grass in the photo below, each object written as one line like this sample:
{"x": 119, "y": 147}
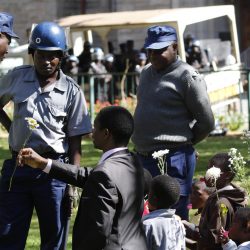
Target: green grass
{"x": 90, "y": 157}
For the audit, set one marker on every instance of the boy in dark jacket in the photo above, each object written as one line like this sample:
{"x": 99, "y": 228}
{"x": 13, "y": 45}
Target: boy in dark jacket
{"x": 222, "y": 204}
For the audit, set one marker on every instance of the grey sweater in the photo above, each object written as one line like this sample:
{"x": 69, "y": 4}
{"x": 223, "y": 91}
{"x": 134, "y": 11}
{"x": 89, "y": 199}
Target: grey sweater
{"x": 173, "y": 108}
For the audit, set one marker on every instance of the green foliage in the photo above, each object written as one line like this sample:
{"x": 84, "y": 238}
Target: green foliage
{"x": 233, "y": 121}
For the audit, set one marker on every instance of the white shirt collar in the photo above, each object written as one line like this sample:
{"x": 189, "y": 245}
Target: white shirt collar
{"x": 110, "y": 152}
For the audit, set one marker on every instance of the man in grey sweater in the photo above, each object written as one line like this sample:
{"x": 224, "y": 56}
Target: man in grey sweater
{"x": 173, "y": 111}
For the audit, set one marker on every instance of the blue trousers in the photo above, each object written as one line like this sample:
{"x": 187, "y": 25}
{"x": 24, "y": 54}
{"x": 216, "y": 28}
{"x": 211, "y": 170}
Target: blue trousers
{"x": 31, "y": 188}
{"x": 180, "y": 164}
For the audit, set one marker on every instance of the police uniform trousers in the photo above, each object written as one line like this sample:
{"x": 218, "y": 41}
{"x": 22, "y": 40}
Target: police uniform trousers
{"x": 31, "y": 188}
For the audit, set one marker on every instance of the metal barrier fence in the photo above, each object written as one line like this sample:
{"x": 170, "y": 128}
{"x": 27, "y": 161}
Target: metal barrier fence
{"x": 109, "y": 88}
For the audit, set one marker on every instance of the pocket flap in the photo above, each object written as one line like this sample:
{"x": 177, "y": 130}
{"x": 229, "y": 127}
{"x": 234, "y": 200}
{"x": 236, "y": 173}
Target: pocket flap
{"x": 56, "y": 112}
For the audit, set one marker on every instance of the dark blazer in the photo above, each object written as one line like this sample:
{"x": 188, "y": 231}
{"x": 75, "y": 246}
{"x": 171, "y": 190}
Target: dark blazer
{"x": 110, "y": 209}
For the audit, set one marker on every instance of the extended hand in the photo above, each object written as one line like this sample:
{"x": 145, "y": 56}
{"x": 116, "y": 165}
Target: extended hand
{"x": 223, "y": 236}
{"x": 29, "y": 157}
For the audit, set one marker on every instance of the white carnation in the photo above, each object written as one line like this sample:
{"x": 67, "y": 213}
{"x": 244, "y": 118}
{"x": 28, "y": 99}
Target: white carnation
{"x": 213, "y": 173}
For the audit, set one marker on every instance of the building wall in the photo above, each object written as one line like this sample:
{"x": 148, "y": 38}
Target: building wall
{"x": 26, "y": 12}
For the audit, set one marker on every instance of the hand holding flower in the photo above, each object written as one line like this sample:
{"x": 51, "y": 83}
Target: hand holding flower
{"x": 32, "y": 125}
{"x": 29, "y": 157}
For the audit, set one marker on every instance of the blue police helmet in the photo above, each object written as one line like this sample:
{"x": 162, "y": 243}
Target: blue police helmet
{"x": 48, "y": 36}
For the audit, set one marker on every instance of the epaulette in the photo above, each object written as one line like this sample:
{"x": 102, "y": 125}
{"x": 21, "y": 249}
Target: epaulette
{"x": 71, "y": 80}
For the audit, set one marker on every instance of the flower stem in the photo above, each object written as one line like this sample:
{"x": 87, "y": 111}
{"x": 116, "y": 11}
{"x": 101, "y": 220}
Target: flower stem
{"x": 218, "y": 201}
{"x": 13, "y": 173}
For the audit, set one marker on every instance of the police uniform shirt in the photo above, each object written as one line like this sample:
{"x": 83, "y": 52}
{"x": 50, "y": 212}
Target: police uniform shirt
{"x": 60, "y": 110}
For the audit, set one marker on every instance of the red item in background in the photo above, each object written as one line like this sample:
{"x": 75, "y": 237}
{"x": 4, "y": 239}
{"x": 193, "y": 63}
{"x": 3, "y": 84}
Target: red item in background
{"x": 146, "y": 210}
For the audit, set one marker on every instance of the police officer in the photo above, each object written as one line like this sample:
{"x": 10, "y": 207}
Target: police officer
{"x": 58, "y": 105}
{"x": 6, "y": 33}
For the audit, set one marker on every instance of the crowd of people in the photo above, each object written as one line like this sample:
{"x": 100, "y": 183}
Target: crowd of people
{"x": 130, "y": 200}
{"x": 107, "y": 70}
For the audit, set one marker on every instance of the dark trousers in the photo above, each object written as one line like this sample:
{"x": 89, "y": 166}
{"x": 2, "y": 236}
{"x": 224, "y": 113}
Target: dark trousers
{"x": 180, "y": 164}
{"x": 31, "y": 188}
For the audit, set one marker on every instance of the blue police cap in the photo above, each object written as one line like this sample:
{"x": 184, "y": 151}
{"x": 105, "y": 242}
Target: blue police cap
{"x": 6, "y": 24}
{"x": 159, "y": 37}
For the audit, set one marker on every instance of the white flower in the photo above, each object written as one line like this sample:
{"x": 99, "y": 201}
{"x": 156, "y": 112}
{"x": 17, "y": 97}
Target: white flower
{"x": 32, "y": 123}
{"x": 160, "y": 153}
{"x": 237, "y": 163}
{"x": 161, "y": 157}
{"x": 213, "y": 174}
{"x": 233, "y": 151}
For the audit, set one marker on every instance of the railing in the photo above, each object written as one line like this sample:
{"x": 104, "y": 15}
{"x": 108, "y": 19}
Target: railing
{"x": 107, "y": 89}
{"x": 100, "y": 92}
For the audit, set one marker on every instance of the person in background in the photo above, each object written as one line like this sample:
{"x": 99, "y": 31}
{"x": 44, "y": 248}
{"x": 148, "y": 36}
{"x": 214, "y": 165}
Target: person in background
{"x": 6, "y": 33}
{"x": 131, "y": 78}
{"x": 196, "y": 56}
{"x": 120, "y": 59}
{"x": 112, "y": 78}
{"x": 238, "y": 236}
{"x": 163, "y": 229}
{"x": 173, "y": 95}
{"x": 85, "y": 59}
{"x": 101, "y": 78}
{"x": 45, "y": 94}
{"x": 111, "y": 205}
{"x": 221, "y": 205}
{"x": 71, "y": 66}
{"x": 198, "y": 197}
{"x": 141, "y": 60}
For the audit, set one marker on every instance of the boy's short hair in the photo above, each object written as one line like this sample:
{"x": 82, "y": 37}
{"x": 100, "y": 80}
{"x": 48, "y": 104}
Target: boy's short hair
{"x": 242, "y": 216}
{"x": 164, "y": 191}
{"x": 118, "y": 121}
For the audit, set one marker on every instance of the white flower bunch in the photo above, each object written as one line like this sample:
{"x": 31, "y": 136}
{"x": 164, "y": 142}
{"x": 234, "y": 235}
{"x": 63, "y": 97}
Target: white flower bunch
{"x": 237, "y": 163}
{"x": 161, "y": 157}
{"x": 212, "y": 175}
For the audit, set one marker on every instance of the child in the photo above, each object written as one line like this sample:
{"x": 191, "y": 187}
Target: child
{"x": 222, "y": 204}
{"x": 163, "y": 228}
{"x": 238, "y": 232}
{"x": 199, "y": 195}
